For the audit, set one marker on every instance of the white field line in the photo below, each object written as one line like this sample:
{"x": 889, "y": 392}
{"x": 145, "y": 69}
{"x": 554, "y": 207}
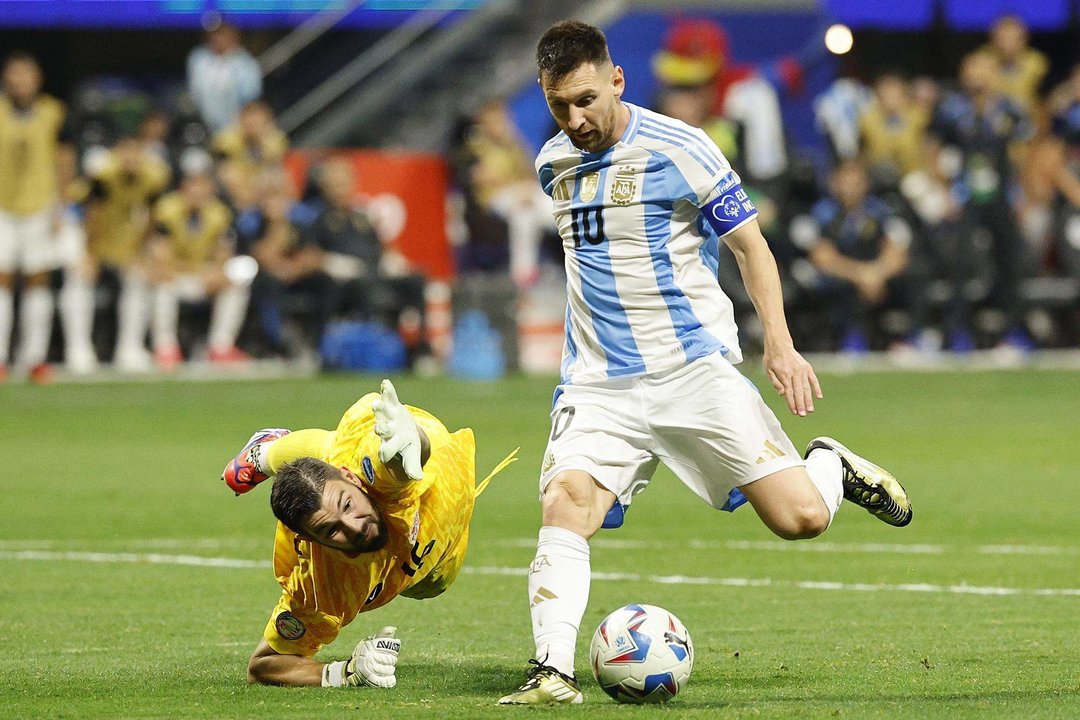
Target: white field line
{"x": 812, "y": 546}
{"x": 603, "y": 543}
{"x": 234, "y": 563}
{"x": 141, "y": 558}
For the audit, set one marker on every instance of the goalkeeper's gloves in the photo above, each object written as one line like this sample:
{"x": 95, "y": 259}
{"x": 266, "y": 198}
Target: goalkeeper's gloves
{"x": 249, "y": 467}
{"x": 373, "y": 663}
{"x": 398, "y": 431}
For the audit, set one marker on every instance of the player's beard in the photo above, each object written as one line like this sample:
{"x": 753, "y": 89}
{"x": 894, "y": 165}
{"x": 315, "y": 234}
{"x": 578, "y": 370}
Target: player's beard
{"x": 376, "y": 543}
{"x": 598, "y": 139}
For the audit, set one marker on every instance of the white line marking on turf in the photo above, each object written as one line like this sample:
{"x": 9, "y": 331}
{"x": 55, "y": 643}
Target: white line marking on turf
{"x": 816, "y": 546}
{"x": 225, "y": 562}
{"x": 149, "y": 558}
{"x": 1027, "y": 550}
{"x": 801, "y": 584}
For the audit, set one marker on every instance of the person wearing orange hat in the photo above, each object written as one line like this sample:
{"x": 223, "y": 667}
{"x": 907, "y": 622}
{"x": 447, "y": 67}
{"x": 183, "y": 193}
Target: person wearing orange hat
{"x": 696, "y": 53}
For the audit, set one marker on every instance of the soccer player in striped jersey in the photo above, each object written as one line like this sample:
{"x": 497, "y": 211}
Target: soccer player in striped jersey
{"x": 648, "y": 370}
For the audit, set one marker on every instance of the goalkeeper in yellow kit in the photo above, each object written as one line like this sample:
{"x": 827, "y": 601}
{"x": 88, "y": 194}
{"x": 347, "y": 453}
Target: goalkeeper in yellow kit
{"x": 377, "y": 508}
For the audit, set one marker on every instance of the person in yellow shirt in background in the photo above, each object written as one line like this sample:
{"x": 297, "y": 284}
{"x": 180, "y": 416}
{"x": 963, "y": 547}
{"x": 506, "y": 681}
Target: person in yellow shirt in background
{"x": 33, "y": 167}
{"x": 1022, "y": 67}
{"x": 191, "y": 257}
{"x": 377, "y": 508}
{"x": 893, "y": 129}
{"x": 124, "y": 182}
{"x": 250, "y": 145}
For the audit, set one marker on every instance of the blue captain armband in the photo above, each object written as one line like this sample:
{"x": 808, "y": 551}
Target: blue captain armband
{"x": 730, "y": 208}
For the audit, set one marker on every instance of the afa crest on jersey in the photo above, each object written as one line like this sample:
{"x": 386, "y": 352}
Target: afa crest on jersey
{"x": 622, "y": 192}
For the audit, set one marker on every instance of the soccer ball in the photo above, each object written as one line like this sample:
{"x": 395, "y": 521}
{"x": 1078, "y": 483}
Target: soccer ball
{"x": 641, "y": 654}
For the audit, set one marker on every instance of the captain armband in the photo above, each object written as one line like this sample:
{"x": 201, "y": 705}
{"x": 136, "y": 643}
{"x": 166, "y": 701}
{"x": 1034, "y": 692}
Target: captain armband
{"x": 731, "y": 206}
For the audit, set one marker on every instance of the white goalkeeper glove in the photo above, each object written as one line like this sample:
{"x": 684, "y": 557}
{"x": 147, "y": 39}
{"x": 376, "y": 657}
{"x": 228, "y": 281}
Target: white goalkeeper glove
{"x": 397, "y": 429}
{"x": 373, "y": 663}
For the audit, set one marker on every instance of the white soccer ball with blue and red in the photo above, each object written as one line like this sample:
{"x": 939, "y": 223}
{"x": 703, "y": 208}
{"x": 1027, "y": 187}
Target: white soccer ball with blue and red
{"x": 641, "y": 654}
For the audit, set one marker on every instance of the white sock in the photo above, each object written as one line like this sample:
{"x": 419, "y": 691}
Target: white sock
{"x": 131, "y": 316}
{"x": 227, "y": 317}
{"x": 827, "y": 473}
{"x": 7, "y": 314}
{"x": 77, "y": 313}
{"x": 36, "y": 325}
{"x": 166, "y": 316}
{"x": 558, "y": 593}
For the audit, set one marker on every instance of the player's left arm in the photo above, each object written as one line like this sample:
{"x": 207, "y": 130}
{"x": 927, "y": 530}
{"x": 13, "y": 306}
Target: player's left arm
{"x": 404, "y": 448}
{"x": 789, "y": 372}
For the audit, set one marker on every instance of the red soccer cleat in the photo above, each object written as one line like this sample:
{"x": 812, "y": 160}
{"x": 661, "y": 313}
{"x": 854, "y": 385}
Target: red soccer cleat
{"x": 3, "y": 373}
{"x": 168, "y": 358}
{"x": 228, "y": 356}
{"x": 41, "y": 374}
{"x": 242, "y": 473}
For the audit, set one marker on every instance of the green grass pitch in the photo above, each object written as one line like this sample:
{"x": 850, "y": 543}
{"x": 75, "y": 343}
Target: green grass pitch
{"x": 977, "y": 616}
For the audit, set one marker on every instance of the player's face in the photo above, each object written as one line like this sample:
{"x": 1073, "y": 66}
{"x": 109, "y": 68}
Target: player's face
{"x": 850, "y": 185}
{"x": 1010, "y": 38}
{"x": 22, "y": 81}
{"x": 585, "y": 105}
{"x": 347, "y": 520}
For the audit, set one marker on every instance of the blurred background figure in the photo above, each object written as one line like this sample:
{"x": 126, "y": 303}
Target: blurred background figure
{"x": 860, "y": 247}
{"x": 124, "y": 182}
{"x": 893, "y": 129}
{"x": 290, "y": 280}
{"x": 34, "y": 167}
{"x": 1021, "y": 68}
{"x": 980, "y": 130}
{"x": 222, "y": 76}
{"x": 192, "y": 258}
{"x": 696, "y": 54}
{"x": 505, "y": 184}
{"x": 251, "y": 144}
{"x": 371, "y": 281}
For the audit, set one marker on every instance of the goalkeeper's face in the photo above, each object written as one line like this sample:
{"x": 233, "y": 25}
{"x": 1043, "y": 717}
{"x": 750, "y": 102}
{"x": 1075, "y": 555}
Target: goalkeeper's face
{"x": 346, "y": 519}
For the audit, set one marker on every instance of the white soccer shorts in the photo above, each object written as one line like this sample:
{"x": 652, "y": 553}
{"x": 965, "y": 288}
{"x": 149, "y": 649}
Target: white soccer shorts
{"x": 704, "y": 421}
{"x": 27, "y": 244}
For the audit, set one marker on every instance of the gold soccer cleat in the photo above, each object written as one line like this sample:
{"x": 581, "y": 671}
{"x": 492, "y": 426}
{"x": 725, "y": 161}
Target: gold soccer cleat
{"x": 868, "y": 485}
{"x": 545, "y": 686}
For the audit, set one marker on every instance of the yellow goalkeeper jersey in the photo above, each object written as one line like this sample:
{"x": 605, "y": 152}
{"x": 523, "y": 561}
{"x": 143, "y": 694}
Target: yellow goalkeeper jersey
{"x": 427, "y": 522}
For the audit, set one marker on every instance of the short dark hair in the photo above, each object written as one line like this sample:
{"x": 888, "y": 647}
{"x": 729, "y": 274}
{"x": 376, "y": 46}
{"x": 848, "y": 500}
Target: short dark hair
{"x": 567, "y": 45}
{"x": 297, "y": 491}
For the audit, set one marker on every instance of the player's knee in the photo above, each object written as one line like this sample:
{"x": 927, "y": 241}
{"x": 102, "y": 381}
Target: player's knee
{"x": 801, "y": 522}
{"x": 573, "y": 505}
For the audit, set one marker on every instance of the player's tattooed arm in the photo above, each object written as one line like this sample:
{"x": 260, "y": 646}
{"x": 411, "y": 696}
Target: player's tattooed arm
{"x": 789, "y": 372}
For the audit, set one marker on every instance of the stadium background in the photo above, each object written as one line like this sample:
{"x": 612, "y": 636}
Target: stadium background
{"x": 137, "y": 585}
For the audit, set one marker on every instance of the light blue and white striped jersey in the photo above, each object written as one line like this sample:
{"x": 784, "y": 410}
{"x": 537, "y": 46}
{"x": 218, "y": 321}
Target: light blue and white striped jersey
{"x": 642, "y": 292}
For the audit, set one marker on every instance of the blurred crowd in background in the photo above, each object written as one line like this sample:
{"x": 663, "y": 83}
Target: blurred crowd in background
{"x": 161, "y": 228}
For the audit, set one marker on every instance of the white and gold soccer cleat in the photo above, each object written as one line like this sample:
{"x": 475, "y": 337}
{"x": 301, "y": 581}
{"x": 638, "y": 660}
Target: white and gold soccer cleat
{"x": 868, "y": 485}
{"x": 545, "y": 686}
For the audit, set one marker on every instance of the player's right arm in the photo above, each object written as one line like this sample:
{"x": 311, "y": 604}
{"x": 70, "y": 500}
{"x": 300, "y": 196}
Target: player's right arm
{"x": 373, "y": 663}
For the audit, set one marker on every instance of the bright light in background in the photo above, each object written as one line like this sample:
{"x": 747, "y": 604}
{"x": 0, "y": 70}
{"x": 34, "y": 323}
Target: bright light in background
{"x": 838, "y": 39}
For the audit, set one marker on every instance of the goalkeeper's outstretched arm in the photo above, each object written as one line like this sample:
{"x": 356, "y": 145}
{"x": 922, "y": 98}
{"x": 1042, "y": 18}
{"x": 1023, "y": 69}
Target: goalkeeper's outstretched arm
{"x": 373, "y": 663}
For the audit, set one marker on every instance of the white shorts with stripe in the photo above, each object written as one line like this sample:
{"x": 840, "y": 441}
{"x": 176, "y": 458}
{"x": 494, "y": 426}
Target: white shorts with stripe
{"x": 27, "y": 243}
{"x": 705, "y": 421}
